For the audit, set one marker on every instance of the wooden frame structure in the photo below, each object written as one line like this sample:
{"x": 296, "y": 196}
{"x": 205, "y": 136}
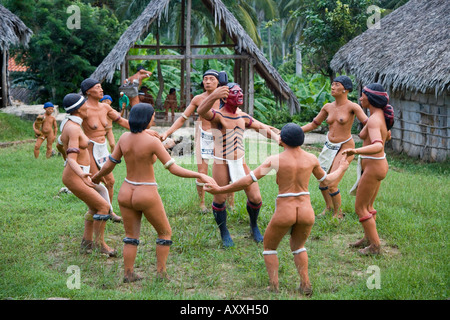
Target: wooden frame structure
{"x": 12, "y": 32}
{"x": 248, "y": 58}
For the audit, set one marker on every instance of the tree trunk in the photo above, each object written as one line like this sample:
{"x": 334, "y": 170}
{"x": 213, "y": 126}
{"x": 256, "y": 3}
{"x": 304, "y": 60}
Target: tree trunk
{"x": 159, "y": 102}
{"x": 298, "y": 58}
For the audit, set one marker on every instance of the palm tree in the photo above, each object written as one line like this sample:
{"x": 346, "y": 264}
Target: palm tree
{"x": 293, "y": 28}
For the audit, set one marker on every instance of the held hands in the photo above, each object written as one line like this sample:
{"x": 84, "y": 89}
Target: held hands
{"x": 153, "y": 133}
{"x": 344, "y": 163}
{"x": 207, "y": 179}
{"x": 349, "y": 152}
{"x": 86, "y": 177}
{"x": 163, "y": 137}
{"x": 212, "y": 188}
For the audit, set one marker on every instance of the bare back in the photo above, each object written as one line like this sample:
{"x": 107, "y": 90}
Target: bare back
{"x": 295, "y": 168}
{"x": 140, "y": 151}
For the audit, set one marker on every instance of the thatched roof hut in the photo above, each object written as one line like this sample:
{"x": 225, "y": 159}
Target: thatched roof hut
{"x": 13, "y": 32}
{"x": 409, "y": 55}
{"x": 244, "y": 46}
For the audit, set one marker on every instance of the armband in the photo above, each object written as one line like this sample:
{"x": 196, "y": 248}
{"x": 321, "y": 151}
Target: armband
{"x": 381, "y": 141}
{"x": 250, "y": 123}
{"x": 253, "y": 176}
{"x": 118, "y": 118}
{"x": 72, "y": 150}
{"x": 315, "y": 122}
{"x": 365, "y": 121}
{"x": 214, "y": 115}
{"x": 114, "y": 160}
{"x": 323, "y": 178}
{"x": 184, "y": 116}
{"x": 169, "y": 163}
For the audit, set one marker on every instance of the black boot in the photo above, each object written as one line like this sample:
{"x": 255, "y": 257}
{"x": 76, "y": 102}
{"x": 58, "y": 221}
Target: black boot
{"x": 253, "y": 212}
{"x": 220, "y": 215}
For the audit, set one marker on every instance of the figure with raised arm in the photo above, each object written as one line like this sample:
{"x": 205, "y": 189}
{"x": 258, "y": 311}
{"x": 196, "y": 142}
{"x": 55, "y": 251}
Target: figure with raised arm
{"x": 204, "y": 143}
{"x": 229, "y": 124}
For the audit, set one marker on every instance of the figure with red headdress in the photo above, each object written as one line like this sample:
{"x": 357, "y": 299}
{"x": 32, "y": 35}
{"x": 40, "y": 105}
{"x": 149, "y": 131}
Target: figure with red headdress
{"x": 372, "y": 163}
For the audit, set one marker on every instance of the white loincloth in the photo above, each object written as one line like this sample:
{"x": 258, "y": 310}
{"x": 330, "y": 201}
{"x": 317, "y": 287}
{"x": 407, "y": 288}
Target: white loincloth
{"x": 206, "y": 144}
{"x": 359, "y": 172}
{"x": 235, "y": 168}
{"x": 100, "y": 152}
{"x": 329, "y": 152}
{"x": 101, "y": 189}
{"x": 130, "y": 89}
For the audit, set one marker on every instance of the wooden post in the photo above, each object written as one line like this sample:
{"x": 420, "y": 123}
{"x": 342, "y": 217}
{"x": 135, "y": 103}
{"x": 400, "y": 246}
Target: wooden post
{"x": 4, "y": 80}
{"x": 251, "y": 86}
{"x": 245, "y": 83}
{"x": 123, "y": 75}
{"x": 188, "y": 52}
{"x": 182, "y": 52}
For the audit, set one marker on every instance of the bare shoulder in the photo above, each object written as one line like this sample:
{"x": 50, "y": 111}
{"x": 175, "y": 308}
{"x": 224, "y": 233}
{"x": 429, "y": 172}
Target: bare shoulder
{"x": 309, "y": 158}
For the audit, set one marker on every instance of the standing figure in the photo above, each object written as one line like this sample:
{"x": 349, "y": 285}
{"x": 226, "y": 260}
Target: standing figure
{"x": 146, "y": 96}
{"x": 204, "y": 144}
{"x": 133, "y": 83}
{"x": 109, "y": 129}
{"x": 339, "y": 115}
{"x": 372, "y": 164}
{"x": 139, "y": 195}
{"x": 170, "y": 103}
{"x": 76, "y": 174}
{"x": 229, "y": 124}
{"x": 293, "y": 210}
{"x": 45, "y": 127}
{"x": 124, "y": 103}
{"x": 95, "y": 126}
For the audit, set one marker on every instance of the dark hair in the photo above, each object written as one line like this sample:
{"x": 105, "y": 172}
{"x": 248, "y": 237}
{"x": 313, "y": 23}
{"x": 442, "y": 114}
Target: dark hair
{"x": 229, "y": 85}
{"x": 379, "y": 98}
{"x": 345, "y": 81}
{"x": 140, "y": 116}
{"x": 292, "y": 134}
{"x": 172, "y": 90}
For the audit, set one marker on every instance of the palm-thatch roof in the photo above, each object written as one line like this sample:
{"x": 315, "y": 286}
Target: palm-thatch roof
{"x": 410, "y": 50}
{"x": 224, "y": 18}
{"x": 12, "y": 30}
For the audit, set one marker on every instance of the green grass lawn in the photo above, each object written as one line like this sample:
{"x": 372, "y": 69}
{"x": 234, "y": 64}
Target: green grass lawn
{"x": 41, "y": 230}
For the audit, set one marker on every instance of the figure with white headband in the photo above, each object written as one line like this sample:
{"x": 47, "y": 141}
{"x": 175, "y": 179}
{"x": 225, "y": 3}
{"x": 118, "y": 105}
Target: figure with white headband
{"x": 293, "y": 210}
{"x": 372, "y": 163}
{"x": 76, "y": 175}
{"x": 139, "y": 195}
{"x": 339, "y": 116}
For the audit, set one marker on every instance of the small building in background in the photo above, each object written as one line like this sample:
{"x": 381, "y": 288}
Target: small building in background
{"x": 409, "y": 54}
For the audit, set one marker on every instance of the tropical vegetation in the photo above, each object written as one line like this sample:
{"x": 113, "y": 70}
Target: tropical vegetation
{"x": 299, "y": 37}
